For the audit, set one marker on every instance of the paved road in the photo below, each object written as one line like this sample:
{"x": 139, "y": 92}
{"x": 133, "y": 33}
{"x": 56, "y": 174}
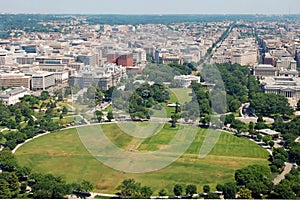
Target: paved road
{"x": 280, "y": 177}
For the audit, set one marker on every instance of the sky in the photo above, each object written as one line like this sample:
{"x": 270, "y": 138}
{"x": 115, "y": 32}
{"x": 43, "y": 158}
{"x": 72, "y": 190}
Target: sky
{"x": 151, "y": 6}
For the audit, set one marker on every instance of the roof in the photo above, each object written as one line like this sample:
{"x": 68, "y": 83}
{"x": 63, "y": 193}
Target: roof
{"x": 11, "y": 92}
{"x": 264, "y": 66}
{"x": 268, "y": 132}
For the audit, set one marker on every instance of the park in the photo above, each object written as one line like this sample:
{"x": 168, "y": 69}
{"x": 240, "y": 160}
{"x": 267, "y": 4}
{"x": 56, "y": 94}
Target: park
{"x": 62, "y": 153}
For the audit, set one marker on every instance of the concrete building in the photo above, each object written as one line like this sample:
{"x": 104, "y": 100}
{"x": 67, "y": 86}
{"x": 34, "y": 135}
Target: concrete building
{"x": 139, "y": 56}
{"x": 25, "y": 60}
{"x": 42, "y": 80}
{"x": 12, "y": 96}
{"x": 125, "y": 60}
{"x": 268, "y": 59}
{"x": 287, "y": 86}
{"x": 186, "y": 80}
{"x": 244, "y": 58}
{"x": 89, "y": 59}
{"x": 264, "y": 70}
{"x": 105, "y": 77}
{"x": 15, "y": 80}
{"x": 168, "y": 59}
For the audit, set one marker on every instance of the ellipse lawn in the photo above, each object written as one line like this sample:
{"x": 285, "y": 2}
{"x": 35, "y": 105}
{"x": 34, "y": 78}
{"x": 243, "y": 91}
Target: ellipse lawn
{"x": 62, "y": 153}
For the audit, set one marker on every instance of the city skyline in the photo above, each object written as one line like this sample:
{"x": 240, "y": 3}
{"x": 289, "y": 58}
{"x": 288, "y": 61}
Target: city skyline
{"x": 151, "y": 7}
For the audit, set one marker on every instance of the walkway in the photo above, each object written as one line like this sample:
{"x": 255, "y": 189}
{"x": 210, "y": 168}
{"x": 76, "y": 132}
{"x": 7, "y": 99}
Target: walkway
{"x": 280, "y": 177}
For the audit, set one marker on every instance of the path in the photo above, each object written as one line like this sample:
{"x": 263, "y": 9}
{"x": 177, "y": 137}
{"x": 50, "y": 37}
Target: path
{"x": 280, "y": 177}
{"x": 94, "y": 194}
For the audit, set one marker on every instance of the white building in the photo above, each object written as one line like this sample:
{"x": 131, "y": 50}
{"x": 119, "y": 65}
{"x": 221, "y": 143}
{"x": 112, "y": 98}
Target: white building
{"x": 42, "y": 80}
{"x": 12, "y": 96}
{"x": 139, "y": 56}
{"x": 186, "y": 80}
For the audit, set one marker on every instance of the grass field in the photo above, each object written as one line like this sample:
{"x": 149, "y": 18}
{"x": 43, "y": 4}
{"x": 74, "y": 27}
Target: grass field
{"x": 62, "y": 153}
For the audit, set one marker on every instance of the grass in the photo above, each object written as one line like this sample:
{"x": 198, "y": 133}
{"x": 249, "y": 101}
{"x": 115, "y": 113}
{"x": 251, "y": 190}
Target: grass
{"x": 62, "y": 153}
{"x": 67, "y": 119}
{"x": 180, "y": 95}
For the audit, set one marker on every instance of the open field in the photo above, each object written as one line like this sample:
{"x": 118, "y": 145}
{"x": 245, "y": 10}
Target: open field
{"x": 62, "y": 153}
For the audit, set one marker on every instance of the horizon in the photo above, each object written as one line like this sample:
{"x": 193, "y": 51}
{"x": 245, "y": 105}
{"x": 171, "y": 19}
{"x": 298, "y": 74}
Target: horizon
{"x": 155, "y": 7}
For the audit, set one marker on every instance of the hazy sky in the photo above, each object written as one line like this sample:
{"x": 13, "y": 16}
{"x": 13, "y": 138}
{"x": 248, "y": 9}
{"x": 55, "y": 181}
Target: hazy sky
{"x": 152, "y": 6}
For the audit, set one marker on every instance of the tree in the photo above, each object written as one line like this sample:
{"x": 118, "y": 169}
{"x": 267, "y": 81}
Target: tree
{"x": 219, "y": 187}
{"x": 174, "y": 118}
{"x": 298, "y": 105}
{"x": 49, "y": 187}
{"x": 229, "y": 190}
{"x": 295, "y": 152}
{"x": 99, "y": 114}
{"x": 44, "y": 95}
{"x": 177, "y": 190}
{"x": 267, "y": 104}
{"x": 145, "y": 192}
{"x": 206, "y": 188}
{"x": 129, "y": 188}
{"x": 245, "y": 193}
{"x": 64, "y": 110}
{"x": 162, "y": 192}
{"x": 87, "y": 186}
{"x": 13, "y": 183}
{"x": 191, "y": 189}
{"x": 4, "y": 189}
{"x": 283, "y": 191}
{"x": 267, "y": 138}
{"x": 110, "y": 116}
{"x": 257, "y": 178}
{"x": 60, "y": 97}
{"x": 98, "y": 96}
{"x": 7, "y": 160}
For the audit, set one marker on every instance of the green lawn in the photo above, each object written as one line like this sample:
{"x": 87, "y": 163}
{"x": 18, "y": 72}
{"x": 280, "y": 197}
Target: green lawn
{"x": 180, "y": 95}
{"x": 62, "y": 153}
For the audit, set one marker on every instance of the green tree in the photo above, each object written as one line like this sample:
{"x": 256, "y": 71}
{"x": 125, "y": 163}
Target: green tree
{"x": 44, "y": 95}
{"x": 206, "y": 188}
{"x": 257, "y": 178}
{"x": 283, "y": 191}
{"x": 129, "y": 188}
{"x": 87, "y": 186}
{"x": 174, "y": 118}
{"x": 99, "y": 114}
{"x": 4, "y": 190}
{"x": 191, "y": 189}
{"x": 162, "y": 192}
{"x": 178, "y": 190}
{"x": 245, "y": 193}
{"x": 145, "y": 192}
{"x": 298, "y": 106}
{"x": 13, "y": 183}
{"x": 110, "y": 116}
{"x": 64, "y": 110}
{"x": 7, "y": 160}
{"x": 49, "y": 187}
{"x": 229, "y": 190}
